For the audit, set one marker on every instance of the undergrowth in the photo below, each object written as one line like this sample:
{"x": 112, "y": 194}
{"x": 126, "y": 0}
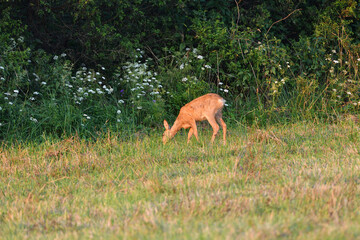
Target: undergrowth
{"x": 288, "y": 181}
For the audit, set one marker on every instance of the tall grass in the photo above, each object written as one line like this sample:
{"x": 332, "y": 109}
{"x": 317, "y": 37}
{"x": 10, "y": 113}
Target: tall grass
{"x": 288, "y": 181}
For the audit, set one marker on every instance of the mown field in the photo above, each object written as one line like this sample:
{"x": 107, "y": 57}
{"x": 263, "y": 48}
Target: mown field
{"x": 299, "y": 181}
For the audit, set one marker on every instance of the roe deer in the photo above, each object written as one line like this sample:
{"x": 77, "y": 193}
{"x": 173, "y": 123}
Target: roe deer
{"x": 208, "y": 107}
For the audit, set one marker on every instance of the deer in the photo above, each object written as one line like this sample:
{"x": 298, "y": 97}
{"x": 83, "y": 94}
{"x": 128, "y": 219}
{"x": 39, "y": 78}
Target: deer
{"x": 207, "y": 107}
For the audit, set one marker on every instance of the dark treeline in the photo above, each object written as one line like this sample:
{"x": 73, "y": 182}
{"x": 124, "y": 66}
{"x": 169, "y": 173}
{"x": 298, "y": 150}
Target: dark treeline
{"x": 89, "y": 66}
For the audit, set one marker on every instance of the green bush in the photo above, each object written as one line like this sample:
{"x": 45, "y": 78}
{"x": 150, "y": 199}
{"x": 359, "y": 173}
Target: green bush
{"x": 75, "y": 69}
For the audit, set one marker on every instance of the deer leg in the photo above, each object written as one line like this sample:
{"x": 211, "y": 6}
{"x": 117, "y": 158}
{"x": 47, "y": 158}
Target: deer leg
{"x": 223, "y": 125}
{"x": 215, "y": 127}
{"x": 190, "y": 134}
{"x": 194, "y": 130}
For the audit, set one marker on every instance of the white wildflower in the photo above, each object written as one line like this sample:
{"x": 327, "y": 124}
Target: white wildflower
{"x": 200, "y": 57}
{"x": 63, "y": 55}
{"x": 36, "y": 93}
{"x": 33, "y": 119}
{"x": 336, "y": 61}
{"x": 121, "y": 101}
{"x": 55, "y": 57}
{"x": 225, "y": 90}
{"x": 118, "y": 111}
{"x": 184, "y": 79}
{"x": 348, "y": 93}
{"x": 2, "y": 68}
{"x": 181, "y": 66}
{"x": 139, "y": 107}
{"x": 43, "y": 83}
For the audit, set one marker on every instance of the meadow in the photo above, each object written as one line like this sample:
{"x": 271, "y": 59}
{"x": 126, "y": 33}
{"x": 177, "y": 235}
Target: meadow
{"x": 290, "y": 181}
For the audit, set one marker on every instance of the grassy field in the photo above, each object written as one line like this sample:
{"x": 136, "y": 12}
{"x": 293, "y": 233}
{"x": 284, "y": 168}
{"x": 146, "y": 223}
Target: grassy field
{"x": 299, "y": 181}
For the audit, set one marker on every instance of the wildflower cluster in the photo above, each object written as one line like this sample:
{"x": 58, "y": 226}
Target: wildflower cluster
{"x": 192, "y": 71}
{"x": 87, "y": 84}
{"x": 193, "y": 65}
{"x": 55, "y": 93}
{"x": 141, "y": 82}
{"x": 343, "y": 84}
{"x": 276, "y": 86}
{"x": 277, "y": 66}
{"x": 140, "y": 86}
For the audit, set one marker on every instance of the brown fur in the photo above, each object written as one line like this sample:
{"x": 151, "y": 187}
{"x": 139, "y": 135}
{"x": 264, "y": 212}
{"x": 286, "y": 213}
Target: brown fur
{"x": 208, "y": 107}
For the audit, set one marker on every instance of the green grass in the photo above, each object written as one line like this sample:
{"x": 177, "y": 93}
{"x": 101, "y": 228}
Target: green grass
{"x": 299, "y": 181}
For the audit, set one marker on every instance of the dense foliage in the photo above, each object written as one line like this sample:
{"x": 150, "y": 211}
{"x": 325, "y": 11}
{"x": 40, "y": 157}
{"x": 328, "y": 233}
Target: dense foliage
{"x": 89, "y": 66}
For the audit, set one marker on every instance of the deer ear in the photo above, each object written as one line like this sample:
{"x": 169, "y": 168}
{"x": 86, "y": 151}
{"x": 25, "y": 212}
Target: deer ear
{"x": 166, "y": 125}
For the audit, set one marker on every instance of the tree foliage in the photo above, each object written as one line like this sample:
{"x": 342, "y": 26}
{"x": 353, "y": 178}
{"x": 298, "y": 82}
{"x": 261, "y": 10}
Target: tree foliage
{"x": 271, "y": 59}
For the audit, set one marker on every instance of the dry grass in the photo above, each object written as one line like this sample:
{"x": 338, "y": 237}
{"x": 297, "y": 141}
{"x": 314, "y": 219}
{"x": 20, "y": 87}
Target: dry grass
{"x": 294, "y": 182}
